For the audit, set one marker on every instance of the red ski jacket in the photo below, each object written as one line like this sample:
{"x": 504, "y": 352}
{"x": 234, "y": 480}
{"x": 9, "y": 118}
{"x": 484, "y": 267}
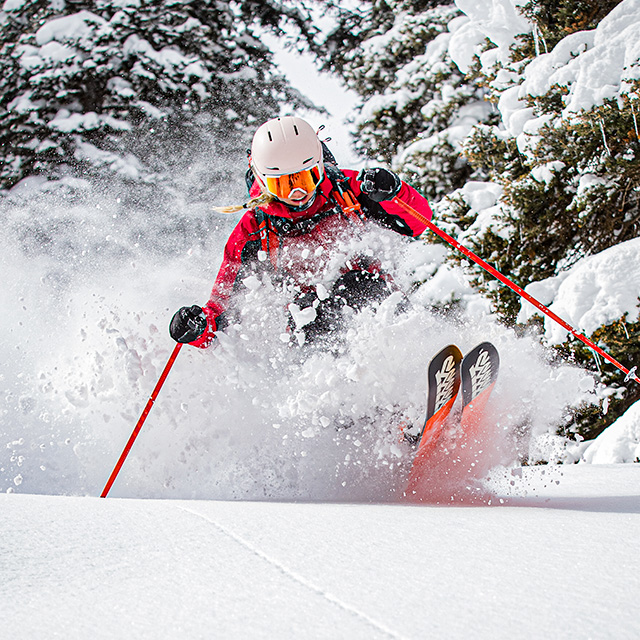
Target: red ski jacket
{"x": 277, "y": 238}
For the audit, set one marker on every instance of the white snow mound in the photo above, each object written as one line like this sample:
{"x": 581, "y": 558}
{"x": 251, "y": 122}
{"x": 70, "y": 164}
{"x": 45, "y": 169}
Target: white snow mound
{"x": 597, "y": 291}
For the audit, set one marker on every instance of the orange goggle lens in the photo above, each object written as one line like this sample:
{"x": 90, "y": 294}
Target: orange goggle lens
{"x": 284, "y": 186}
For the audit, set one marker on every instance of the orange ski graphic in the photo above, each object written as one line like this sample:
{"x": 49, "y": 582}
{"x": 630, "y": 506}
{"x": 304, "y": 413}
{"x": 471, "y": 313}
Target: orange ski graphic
{"x": 476, "y": 373}
{"x": 444, "y": 383}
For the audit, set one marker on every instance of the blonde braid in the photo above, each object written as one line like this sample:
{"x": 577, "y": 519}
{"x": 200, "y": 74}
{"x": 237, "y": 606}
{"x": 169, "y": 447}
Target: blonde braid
{"x": 263, "y": 198}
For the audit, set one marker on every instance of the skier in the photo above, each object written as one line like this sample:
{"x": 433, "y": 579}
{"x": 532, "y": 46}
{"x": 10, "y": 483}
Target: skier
{"x": 302, "y": 203}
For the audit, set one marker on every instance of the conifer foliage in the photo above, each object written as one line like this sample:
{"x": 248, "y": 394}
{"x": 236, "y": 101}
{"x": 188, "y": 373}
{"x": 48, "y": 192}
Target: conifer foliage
{"x": 571, "y": 180}
{"x": 416, "y": 104}
{"x": 132, "y": 87}
{"x": 530, "y": 155}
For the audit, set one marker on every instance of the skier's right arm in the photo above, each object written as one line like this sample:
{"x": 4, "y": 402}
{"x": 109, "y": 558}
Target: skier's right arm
{"x": 197, "y": 325}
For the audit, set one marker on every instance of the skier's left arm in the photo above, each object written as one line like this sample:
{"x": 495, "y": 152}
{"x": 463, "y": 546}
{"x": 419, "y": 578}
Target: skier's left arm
{"x": 381, "y": 192}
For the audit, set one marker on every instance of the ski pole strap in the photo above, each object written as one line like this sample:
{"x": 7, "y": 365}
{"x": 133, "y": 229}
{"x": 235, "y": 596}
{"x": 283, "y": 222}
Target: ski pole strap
{"x": 630, "y": 374}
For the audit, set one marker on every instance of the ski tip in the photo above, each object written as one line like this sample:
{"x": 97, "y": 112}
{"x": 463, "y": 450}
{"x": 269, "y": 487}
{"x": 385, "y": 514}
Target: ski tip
{"x": 444, "y": 378}
{"x": 479, "y": 371}
{"x": 449, "y": 351}
{"x": 484, "y": 346}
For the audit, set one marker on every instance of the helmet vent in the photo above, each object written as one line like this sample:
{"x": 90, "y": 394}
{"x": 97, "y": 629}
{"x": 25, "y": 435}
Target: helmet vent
{"x": 270, "y": 136}
{"x": 296, "y": 130}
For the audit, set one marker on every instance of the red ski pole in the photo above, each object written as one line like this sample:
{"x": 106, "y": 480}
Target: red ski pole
{"x": 630, "y": 374}
{"x": 143, "y": 417}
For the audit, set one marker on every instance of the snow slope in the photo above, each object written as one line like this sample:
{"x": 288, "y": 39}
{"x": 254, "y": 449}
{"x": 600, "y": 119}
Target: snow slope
{"x": 304, "y": 531}
{"x": 556, "y": 560}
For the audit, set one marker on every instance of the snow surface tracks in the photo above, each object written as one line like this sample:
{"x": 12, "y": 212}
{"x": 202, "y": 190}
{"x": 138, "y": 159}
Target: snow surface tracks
{"x": 301, "y": 580}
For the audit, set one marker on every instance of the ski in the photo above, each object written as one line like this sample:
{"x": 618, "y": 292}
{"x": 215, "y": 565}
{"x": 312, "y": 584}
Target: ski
{"x": 479, "y": 372}
{"x": 476, "y": 373}
{"x": 444, "y": 378}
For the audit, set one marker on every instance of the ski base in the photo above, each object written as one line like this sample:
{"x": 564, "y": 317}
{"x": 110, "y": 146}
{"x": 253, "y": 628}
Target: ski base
{"x": 476, "y": 373}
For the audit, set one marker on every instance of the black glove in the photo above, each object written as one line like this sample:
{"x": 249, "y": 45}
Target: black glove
{"x": 188, "y": 324}
{"x": 379, "y": 184}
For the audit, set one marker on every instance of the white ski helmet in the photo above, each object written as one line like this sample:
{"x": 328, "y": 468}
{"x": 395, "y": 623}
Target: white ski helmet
{"x": 286, "y": 157}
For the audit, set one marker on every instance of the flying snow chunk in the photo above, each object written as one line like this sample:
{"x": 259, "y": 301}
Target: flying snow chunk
{"x": 302, "y": 317}
{"x": 252, "y": 283}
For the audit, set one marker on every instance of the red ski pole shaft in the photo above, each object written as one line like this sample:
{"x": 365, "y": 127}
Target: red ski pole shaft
{"x": 514, "y": 287}
{"x": 143, "y": 417}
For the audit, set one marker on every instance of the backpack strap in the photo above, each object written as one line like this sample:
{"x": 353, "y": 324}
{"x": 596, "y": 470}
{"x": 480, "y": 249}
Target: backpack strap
{"x": 343, "y": 194}
{"x": 269, "y": 242}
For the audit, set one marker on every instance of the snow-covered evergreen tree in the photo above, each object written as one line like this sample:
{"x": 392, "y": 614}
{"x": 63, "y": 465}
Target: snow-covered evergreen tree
{"x": 546, "y": 179}
{"x": 564, "y": 157}
{"x": 134, "y": 88}
{"x": 568, "y": 170}
{"x": 416, "y": 106}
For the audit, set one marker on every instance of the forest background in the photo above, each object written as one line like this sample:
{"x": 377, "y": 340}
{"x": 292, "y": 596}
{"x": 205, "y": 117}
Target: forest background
{"x": 517, "y": 120}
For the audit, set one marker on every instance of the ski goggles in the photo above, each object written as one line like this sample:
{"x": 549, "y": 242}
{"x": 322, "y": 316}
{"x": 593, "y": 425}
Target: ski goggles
{"x": 294, "y": 185}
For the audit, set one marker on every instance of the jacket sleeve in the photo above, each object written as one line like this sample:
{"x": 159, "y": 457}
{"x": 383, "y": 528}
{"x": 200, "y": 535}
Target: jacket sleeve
{"x": 408, "y": 220}
{"x": 240, "y": 255}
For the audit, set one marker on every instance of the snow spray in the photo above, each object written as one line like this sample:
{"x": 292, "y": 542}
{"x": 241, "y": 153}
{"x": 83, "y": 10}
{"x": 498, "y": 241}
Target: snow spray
{"x": 630, "y": 373}
{"x": 251, "y": 419}
{"x": 141, "y": 420}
